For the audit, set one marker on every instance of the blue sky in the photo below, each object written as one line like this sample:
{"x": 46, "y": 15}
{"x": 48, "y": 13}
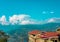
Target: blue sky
{"x": 37, "y": 9}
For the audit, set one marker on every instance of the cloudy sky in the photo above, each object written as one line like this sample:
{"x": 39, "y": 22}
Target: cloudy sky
{"x": 28, "y": 11}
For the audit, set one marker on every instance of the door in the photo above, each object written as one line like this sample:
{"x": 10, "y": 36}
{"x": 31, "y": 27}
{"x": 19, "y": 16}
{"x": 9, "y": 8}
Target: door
{"x": 55, "y": 40}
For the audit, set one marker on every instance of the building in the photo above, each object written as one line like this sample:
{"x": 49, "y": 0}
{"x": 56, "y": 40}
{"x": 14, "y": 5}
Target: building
{"x": 38, "y": 36}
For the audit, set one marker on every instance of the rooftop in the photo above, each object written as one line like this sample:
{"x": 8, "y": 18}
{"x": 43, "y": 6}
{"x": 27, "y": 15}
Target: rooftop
{"x": 44, "y": 34}
{"x": 34, "y": 32}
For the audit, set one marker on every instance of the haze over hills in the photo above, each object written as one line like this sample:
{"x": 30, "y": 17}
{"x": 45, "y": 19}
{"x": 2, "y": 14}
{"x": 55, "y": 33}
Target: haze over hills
{"x": 43, "y": 27}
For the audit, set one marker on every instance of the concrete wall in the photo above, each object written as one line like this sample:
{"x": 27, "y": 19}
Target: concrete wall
{"x": 39, "y": 40}
{"x": 31, "y": 39}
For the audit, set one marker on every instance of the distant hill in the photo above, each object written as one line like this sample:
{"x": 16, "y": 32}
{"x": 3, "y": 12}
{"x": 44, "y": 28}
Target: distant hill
{"x": 42, "y": 27}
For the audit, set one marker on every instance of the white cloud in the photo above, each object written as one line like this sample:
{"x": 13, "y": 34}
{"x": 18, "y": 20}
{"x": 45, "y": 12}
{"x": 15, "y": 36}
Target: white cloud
{"x": 24, "y": 19}
{"x": 48, "y": 12}
{"x": 44, "y": 12}
{"x": 17, "y": 19}
{"x": 21, "y": 19}
{"x": 25, "y": 22}
{"x": 3, "y": 20}
{"x": 13, "y": 19}
{"x": 51, "y": 20}
{"x": 57, "y": 20}
{"x": 51, "y": 12}
{"x": 30, "y": 22}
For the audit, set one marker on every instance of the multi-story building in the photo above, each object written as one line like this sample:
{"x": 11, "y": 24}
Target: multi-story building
{"x": 38, "y": 36}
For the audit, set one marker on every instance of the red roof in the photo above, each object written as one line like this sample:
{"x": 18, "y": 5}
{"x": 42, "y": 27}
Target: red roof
{"x": 34, "y": 32}
{"x": 49, "y": 34}
{"x": 45, "y": 34}
{"x": 42, "y": 36}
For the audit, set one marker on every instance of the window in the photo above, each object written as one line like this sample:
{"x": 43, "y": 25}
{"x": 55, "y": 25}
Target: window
{"x": 59, "y": 37}
{"x": 54, "y": 40}
{"x": 33, "y": 34}
{"x": 45, "y": 40}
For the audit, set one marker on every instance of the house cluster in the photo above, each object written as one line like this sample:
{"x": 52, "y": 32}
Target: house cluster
{"x": 39, "y": 36}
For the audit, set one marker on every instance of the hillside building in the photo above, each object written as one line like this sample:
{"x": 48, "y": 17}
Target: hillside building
{"x": 38, "y": 36}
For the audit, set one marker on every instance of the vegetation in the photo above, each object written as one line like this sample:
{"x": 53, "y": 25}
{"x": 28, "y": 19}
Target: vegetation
{"x": 3, "y": 37}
